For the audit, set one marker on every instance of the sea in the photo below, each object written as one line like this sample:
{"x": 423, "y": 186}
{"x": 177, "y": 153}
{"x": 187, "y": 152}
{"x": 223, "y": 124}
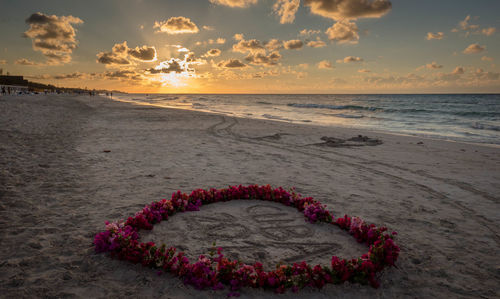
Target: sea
{"x": 473, "y": 118}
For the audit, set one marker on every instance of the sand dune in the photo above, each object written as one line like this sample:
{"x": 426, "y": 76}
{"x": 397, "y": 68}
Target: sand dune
{"x": 68, "y": 163}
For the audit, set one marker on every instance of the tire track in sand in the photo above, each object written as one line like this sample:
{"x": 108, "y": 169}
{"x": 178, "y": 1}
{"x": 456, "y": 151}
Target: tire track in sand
{"x": 223, "y": 129}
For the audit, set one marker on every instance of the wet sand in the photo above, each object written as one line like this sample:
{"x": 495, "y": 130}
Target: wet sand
{"x": 69, "y": 163}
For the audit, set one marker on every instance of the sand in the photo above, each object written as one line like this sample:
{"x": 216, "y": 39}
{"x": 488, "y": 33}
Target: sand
{"x": 69, "y": 163}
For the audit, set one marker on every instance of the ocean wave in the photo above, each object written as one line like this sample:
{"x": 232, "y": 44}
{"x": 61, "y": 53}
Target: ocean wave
{"x": 198, "y": 106}
{"x": 269, "y": 116}
{"x": 480, "y": 126}
{"x": 477, "y": 113}
{"x": 397, "y": 110}
{"x": 333, "y": 107}
{"x": 170, "y": 98}
{"x": 348, "y": 115}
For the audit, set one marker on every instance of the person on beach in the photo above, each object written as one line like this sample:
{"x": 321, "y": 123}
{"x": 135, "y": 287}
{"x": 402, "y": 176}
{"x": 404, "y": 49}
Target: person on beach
{"x": 3, "y": 90}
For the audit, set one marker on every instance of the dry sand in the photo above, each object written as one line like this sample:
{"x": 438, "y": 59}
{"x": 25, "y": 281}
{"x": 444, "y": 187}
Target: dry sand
{"x": 68, "y": 163}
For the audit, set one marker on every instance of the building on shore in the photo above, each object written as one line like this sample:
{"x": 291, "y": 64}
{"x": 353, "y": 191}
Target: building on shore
{"x": 13, "y": 84}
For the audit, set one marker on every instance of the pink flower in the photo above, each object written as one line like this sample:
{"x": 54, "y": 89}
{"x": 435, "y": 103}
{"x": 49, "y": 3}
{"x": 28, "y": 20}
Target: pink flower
{"x": 121, "y": 240}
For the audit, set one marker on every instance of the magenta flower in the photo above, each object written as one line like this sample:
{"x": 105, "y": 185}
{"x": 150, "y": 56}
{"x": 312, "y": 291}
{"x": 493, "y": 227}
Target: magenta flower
{"x": 121, "y": 241}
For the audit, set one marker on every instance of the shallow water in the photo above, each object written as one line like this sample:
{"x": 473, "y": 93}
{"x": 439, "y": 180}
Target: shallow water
{"x": 461, "y": 117}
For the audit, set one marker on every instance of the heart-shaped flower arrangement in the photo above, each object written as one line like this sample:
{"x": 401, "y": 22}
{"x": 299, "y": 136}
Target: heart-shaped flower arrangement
{"x": 121, "y": 240}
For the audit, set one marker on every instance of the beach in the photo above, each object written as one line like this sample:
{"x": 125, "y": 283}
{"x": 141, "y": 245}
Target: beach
{"x": 70, "y": 163}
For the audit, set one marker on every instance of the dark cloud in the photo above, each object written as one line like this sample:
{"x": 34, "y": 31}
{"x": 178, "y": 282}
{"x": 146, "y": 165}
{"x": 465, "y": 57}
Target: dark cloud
{"x": 252, "y": 46}
{"x": 58, "y": 58}
{"x": 349, "y": 9}
{"x": 294, "y": 44}
{"x": 53, "y": 36}
{"x": 176, "y": 25}
{"x": 263, "y": 59}
{"x": 111, "y": 59}
{"x": 120, "y": 54}
{"x": 231, "y": 63}
{"x": 344, "y": 11}
{"x": 53, "y": 46}
{"x": 213, "y": 52}
{"x": 76, "y": 75}
{"x": 122, "y": 75}
{"x": 143, "y": 53}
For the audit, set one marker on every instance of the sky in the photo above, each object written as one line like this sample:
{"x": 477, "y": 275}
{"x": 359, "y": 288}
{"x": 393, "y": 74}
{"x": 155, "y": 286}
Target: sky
{"x": 255, "y": 46}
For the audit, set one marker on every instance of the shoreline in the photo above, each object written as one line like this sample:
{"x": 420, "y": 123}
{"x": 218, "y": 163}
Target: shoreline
{"x": 332, "y": 126}
{"x": 69, "y": 163}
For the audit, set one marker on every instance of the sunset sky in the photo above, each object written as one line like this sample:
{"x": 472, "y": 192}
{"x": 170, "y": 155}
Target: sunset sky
{"x": 255, "y": 46}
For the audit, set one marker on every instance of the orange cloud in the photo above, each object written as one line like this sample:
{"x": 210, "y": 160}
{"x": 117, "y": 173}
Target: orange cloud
{"x": 343, "y": 32}
{"x": 474, "y": 48}
{"x": 176, "y": 25}
{"x": 234, "y": 3}
{"x": 437, "y": 35}
{"x": 325, "y": 64}
{"x": 286, "y": 9}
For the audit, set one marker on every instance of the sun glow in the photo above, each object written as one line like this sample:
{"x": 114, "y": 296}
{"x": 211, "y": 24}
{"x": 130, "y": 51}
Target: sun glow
{"x": 176, "y": 72}
{"x": 174, "y": 79}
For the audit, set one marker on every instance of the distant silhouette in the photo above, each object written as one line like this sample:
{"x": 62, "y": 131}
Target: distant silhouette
{"x": 3, "y": 90}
